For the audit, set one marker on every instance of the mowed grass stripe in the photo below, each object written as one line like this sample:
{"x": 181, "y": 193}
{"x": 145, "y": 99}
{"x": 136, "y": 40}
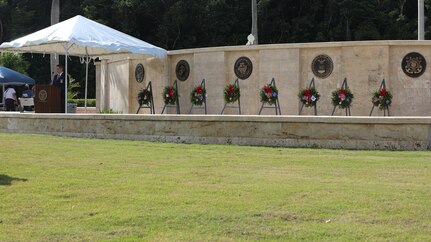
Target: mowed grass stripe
{"x": 56, "y": 188}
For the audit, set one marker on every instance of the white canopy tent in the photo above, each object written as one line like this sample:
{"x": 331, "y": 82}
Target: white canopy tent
{"x": 79, "y": 36}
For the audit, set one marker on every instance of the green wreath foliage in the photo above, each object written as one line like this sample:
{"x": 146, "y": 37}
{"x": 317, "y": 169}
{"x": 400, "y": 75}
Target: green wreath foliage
{"x": 170, "y": 95}
{"x": 382, "y": 98}
{"x": 309, "y": 96}
{"x": 231, "y": 93}
{"x": 342, "y": 98}
{"x": 197, "y": 96}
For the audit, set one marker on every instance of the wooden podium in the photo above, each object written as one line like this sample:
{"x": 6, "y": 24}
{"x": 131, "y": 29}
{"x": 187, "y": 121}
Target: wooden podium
{"x": 47, "y": 99}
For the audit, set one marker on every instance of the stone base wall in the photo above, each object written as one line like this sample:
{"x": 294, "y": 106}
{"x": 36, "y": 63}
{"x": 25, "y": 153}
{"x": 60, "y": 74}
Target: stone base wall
{"x": 394, "y": 133}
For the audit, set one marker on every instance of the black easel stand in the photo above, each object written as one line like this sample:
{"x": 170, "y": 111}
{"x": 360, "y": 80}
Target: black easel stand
{"x": 343, "y": 86}
{"x": 382, "y": 85}
{"x": 277, "y": 104}
{"x": 150, "y": 104}
{"x": 238, "y": 106}
{"x": 177, "y": 103}
{"x": 315, "y": 106}
{"x": 204, "y": 101}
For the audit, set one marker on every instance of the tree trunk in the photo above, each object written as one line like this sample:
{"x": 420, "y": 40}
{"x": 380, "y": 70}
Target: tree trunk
{"x": 1, "y": 31}
{"x": 348, "y": 32}
{"x": 421, "y": 20}
{"x": 254, "y": 31}
{"x": 55, "y": 18}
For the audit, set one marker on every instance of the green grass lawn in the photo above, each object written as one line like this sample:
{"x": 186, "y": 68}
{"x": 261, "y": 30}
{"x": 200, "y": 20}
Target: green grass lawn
{"x": 67, "y": 189}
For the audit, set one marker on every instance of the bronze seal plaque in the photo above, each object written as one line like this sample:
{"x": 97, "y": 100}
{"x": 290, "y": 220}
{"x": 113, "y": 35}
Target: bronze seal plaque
{"x": 182, "y": 70}
{"x": 139, "y": 73}
{"x": 43, "y": 95}
{"x": 414, "y": 64}
{"x": 243, "y": 68}
{"x": 322, "y": 66}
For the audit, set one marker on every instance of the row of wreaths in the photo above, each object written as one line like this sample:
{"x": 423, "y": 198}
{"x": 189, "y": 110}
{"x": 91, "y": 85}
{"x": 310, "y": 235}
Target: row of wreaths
{"x": 342, "y": 97}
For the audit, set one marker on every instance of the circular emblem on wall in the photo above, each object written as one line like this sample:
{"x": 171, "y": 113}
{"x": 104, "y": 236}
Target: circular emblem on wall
{"x": 414, "y": 64}
{"x": 43, "y": 95}
{"x": 182, "y": 70}
{"x": 139, "y": 73}
{"x": 243, "y": 68}
{"x": 322, "y": 66}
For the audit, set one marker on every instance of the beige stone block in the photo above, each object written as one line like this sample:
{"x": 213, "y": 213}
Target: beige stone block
{"x": 119, "y": 80}
{"x": 284, "y": 67}
{"x": 364, "y": 67}
{"x": 154, "y": 72}
{"x": 249, "y": 87}
{"x": 323, "y": 86}
{"x": 411, "y": 95}
{"x": 183, "y": 86}
{"x": 211, "y": 67}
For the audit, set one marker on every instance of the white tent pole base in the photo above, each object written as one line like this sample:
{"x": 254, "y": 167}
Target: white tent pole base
{"x": 66, "y": 48}
{"x": 87, "y": 61}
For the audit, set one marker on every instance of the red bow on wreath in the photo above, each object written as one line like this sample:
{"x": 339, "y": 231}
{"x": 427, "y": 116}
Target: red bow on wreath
{"x": 267, "y": 89}
{"x": 231, "y": 90}
{"x": 171, "y": 92}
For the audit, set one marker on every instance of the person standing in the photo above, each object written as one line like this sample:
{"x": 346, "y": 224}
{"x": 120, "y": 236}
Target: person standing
{"x": 10, "y": 98}
{"x": 59, "y": 81}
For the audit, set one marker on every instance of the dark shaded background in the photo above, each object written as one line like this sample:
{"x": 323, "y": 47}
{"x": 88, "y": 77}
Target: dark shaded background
{"x": 183, "y": 24}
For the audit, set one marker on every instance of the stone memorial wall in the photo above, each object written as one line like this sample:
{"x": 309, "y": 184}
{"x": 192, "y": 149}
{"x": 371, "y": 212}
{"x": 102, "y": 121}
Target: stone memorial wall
{"x": 403, "y": 64}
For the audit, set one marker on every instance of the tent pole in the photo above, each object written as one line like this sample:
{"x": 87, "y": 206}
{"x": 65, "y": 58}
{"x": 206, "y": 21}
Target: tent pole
{"x": 87, "y": 61}
{"x": 2, "y": 97}
{"x": 66, "y": 48}
{"x": 65, "y": 84}
{"x": 86, "y": 84}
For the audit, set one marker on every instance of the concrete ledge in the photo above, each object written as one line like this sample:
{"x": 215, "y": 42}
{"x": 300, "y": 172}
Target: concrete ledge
{"x": 303, "y": 46}
{"x": 89, "y": 110}
{"x": 392, "y": 133}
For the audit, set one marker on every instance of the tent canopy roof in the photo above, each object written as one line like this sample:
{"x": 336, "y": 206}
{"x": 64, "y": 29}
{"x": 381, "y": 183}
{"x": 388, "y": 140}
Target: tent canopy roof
{"x": 83, "y": 37}
{"x": 11, "y": 77}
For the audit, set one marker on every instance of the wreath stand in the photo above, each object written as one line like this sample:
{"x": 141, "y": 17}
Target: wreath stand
{"x": 311, "y": 85}
{"x": 239, "y": 101}
{"x": 277, "y": 104}
{"x": 204, "y": 101}
{"x": 343, "y": 86}
{"x": 177, "y": 102}
{"x": 150, "y": 104}
{"x": 382, "y": 85}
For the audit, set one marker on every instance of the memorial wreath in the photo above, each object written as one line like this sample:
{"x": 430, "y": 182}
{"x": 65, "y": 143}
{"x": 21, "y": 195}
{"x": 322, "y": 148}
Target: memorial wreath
{"x": 144, "y": 97}
{"x": 268, "y": 94}
{"x": 231, "y": 93}
{"x": 342, "y": 97}
{"x": 170, "y": 95}
{"x": 197, "y": 96}
{"x": 309, "y": 96}
{"x": 382, "y": 98}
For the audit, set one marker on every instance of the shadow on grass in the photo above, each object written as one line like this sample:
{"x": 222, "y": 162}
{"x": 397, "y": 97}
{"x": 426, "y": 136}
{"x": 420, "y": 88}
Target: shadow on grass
{"x": 7, "y": 180}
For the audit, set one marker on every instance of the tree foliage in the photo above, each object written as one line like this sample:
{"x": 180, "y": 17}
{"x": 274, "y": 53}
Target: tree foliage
{"x": 179, "y": 24}
{"x": 14, "y": 61}
{"x": 176, "y": 24}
